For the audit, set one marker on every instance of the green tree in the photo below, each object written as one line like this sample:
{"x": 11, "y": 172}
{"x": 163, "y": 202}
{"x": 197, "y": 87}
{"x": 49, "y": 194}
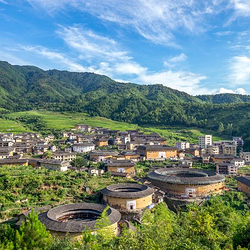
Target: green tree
{"x": 79, "y": 162}
{"x": 48, "y": 154}
{"x": 32, "y": 234}
{"x": 220, "y": 129}
{"x": 104, "y": 231}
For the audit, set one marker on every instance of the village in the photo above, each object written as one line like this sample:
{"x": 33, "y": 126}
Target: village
{"x": 178, "y": 175}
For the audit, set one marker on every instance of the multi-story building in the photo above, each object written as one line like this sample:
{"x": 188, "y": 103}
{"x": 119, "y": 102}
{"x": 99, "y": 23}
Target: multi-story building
{"x": 63, "y": 156}
{"x": 239, "y": 141}
{"x": 213, "y": 150}
{"x": 156, "y": 152}
{"x": 226, "y": 169}
{"x": 229, "y": 149}
{"x": 83, "y": 147}
{"x": 245, "y": 156}
{"x": 205, "y": 141}
{"x": 238, "y": 162}
{"x": 121, "y": 166}
{"x": 182, "y": 145}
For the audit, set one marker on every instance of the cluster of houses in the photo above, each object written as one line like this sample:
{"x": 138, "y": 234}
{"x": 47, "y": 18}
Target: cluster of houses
{"x": 119, "y": 150}
{"x": 227, "y": 155}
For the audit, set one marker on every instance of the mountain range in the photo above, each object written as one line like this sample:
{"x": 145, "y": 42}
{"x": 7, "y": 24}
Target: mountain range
{"x": 29, "y": 87}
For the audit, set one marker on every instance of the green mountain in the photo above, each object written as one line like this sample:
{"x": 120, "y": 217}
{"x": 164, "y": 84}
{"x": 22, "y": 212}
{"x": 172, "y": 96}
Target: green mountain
{"x": 28, "y": 87}
{"x": 224, "y": 98}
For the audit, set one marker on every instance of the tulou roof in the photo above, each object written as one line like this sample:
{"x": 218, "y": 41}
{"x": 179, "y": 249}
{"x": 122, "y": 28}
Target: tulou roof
{"x": 156, "y": 147}
{"x": 120, "y": 163}
{"x": 50, "y": 218}
{"x": 244, "y": 180}
{"x": 127, "y": 191}
{"x": 185, "y": 176}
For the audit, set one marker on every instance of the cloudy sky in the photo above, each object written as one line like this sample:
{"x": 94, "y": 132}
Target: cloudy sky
{"x": 200, "y": 47}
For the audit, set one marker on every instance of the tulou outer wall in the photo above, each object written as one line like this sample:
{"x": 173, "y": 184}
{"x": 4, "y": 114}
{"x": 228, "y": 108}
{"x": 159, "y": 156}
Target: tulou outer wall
{"x": 180, "y": 189}
{"x": 78, "y": 235}
{"x": 121, "y": 203}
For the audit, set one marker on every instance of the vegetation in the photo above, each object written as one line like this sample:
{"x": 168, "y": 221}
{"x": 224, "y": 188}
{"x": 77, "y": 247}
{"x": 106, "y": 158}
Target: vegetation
{"x": 27, "y": 88}
{"x": 223, "y": 222}
{"x": 47, "y": 122}
{"x": 24, "y": 188}
{"x": 224, "y": 98}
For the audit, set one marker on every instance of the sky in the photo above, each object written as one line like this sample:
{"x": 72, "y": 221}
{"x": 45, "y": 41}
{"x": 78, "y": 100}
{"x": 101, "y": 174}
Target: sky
{"x": 196, "y": 46}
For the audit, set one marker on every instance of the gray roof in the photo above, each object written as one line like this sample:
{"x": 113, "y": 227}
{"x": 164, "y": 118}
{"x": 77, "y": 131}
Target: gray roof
{"x": 49, "y": 219}
{"x": 122, "y": 190}
{"x": 104, "y": 152}
{"x": 170, "y": 175}
{"x": 12, "y": 160}
{"x": 120, "y": 163}
{"x": 221, "y": 156}
{"x": 156, "y": 147}
{"x": 244, "y": 180}
{"x": 84, "y": 145}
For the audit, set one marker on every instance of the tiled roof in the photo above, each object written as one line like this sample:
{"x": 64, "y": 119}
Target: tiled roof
{"x": 49, "y": 219}
{"x": 170, "y": 175}
{"x": 121, "y": 190}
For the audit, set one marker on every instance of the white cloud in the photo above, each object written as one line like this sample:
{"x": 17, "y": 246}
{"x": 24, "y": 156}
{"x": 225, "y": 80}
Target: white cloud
{"x": 13, "y": 59}
{"x": 106, "y": 57}
{"x": 181, "y": 80}
{"x": 129, "y": 68}
{"x": 172, "y": 61}
{"x": 240, "y": 70}
{"x": 240, "y": 91}
{"x": 224, "y": 33}
{"x": 58, "y": 58}
{"x": 91, "y": 45}
{"x": 155, "y": 20}
{"x": 3, "y": 1}
{"x": 242, "y": 7}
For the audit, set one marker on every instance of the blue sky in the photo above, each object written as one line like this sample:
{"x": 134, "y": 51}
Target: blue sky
{"x": 196, "y": 46}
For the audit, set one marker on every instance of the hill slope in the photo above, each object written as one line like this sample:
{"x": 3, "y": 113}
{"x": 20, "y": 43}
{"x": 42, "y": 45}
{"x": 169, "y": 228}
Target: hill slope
{"x": 22, "y": 86}
{"x": 28, "y": 87}
{"x": 224, "y": 98}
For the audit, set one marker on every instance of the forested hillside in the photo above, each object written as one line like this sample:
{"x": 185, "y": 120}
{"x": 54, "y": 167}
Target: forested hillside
{"x": 224, "y": 98}
{"x": 28, "y": 87}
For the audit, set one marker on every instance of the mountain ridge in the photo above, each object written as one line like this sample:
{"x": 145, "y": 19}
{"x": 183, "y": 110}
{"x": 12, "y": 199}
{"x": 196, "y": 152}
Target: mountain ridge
{"x": 28, "y": 87}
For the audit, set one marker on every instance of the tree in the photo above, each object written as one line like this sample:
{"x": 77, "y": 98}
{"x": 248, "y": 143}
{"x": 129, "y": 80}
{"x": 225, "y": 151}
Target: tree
{"x": 48, "y": 154}
{"x": 220, "y": 128}
{"x": 79, "y": 162}
{"x": 32, "y": 234}
{"x": 102, "y": 225}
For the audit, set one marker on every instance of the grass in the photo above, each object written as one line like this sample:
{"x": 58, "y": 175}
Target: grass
{"x": 244, "y": 170}
{"x": 65, "y": 121}
{"x": 25, "y": 187}
{"x": 9, "y": 126}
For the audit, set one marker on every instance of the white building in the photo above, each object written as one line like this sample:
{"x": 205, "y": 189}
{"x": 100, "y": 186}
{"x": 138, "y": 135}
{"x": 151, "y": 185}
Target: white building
{"x": 213, "y": 150}
{"x": 245, "y": 156}
{"x": 238, "y": 162}
{"x": 182, "y": 145}
{"x": 83, "y": 147}
{"x": 205, "y": 141}
{"x": 239, "y": 141}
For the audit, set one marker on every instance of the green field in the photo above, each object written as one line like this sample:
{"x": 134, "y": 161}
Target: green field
{"x": 8, "y": 126}
{"x": 65, "y": 121}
